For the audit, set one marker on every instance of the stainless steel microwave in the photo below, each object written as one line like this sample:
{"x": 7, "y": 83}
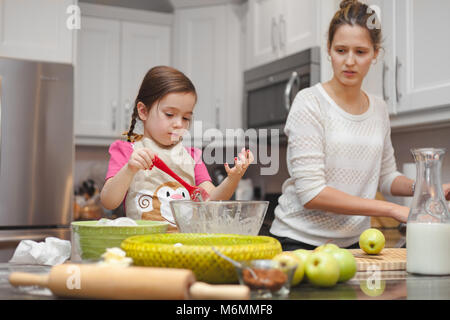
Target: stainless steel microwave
{"x": 270, "y": 89}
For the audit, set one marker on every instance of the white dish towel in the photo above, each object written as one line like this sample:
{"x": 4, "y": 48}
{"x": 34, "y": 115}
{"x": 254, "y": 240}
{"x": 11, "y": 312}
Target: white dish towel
{"x": 52, "y": 252}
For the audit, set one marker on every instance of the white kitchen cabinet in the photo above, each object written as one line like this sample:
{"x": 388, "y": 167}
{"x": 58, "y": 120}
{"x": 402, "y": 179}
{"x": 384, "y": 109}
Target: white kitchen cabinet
{"x": 298, "y": 23}
{"x": 97, "y": 80}
{"x": 379, "y": 81}
{"x": 143, "y": 47}
{"x": 262, "y": 32}
{"x": 279, "y": 28}
{"x": 207, "y": 49}
{"x": 423, "y": 51}
{"x": 413, "y": 71}
{"x": 112, "y": 58}
{"x": 37, "y": 30}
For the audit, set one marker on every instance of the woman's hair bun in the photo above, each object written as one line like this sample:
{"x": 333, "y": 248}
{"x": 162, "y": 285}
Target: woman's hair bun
{"x": 345, "y": 3}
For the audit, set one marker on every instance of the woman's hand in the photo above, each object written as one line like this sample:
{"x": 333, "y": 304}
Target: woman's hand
{"x": 241, "y": 163}
{"x": 141, "y": 160}
{"x": 446, "y": 188}
{"x": 400, "y": 213}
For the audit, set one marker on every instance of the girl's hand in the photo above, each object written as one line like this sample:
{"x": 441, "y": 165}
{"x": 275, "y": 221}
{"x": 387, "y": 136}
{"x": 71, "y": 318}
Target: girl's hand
{"x": 241, "y": 163}
{"x": 141, "y": 160}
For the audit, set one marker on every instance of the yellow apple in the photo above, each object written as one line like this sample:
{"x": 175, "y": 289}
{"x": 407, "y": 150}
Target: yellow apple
{"x": 372, "y": 241}
{"x": 288, "y": 259}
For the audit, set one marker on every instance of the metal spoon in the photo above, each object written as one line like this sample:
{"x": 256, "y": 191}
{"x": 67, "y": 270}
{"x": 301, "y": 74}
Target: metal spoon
{"x": 234, "y": 262}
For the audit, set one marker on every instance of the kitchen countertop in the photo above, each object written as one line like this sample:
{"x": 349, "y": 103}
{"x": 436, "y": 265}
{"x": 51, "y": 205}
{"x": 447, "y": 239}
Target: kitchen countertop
{"x": 383, "y": 285}
{"x": 386, "y": 285}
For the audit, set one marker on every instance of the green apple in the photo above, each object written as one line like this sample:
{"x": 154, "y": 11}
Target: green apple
{"x": 288, "y": 259}
{"x": 347, "y": 264}
{"x": 322, "y": 269}
{"x": 372, "y": 290}
{"x": 303, "y": 255}
{"x": 372, "y": 241}
{"x": 328, "y": 247}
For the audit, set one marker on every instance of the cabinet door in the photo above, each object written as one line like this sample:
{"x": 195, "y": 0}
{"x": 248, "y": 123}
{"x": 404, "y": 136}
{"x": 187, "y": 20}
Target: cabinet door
{"x": 263, "y": 32}
{"x": 200, "y": 52}
{"x": 380, "y": 79}
{"x": 97, "y": 78}
{"x": 298, "y": 24}
{"x": 423, "y": 51}
{"x": 36, "y": 30}
{"x": 143, "y": 47}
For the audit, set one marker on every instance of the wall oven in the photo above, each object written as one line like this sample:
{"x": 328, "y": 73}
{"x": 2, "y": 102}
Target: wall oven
{"x": 270, "y": 89}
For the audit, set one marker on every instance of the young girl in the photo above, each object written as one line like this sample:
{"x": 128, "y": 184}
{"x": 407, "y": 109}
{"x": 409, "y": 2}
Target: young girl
{"x": 165, "y": 104}
{"x": 339, "y": 147}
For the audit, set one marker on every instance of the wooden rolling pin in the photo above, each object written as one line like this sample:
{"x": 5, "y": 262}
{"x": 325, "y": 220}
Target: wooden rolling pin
{"x": 115, "y": 282}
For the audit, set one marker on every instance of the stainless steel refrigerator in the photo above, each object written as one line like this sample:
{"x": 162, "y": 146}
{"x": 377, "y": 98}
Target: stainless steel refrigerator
{"x": 36, "y": 152}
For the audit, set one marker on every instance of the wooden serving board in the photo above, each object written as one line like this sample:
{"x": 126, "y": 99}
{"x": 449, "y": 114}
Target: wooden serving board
{"x": 387, "y": 260}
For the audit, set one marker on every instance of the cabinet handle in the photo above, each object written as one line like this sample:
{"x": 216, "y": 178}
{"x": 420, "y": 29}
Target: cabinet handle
{"x": 274, "y": 34}
{"x": 385, "y": 69}
{"x": 218, "y": 114}
{"x": 282, "y": 32}
{"x": 114, "y": 114}
{"x": 127, "y": 106}
{"x": 287, "y": 91}
{"x": 398, "y": 95}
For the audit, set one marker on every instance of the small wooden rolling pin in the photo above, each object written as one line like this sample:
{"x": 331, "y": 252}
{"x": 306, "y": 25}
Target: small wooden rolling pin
{"x": 115, "y": 282}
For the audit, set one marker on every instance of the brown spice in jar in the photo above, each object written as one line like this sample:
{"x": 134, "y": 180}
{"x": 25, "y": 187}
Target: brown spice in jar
{"x": 271, "y": 279}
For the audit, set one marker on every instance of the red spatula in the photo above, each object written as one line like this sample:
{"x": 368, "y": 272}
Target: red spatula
{"x": 197, "y": 194}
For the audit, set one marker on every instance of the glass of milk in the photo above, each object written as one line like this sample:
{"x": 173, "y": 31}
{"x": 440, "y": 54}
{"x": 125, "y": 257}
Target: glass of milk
{"x": 428, "y": 226}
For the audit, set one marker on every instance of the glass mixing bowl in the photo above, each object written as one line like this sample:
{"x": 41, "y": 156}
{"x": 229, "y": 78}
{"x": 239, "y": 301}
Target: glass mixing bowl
{"x": 231, "y": 217}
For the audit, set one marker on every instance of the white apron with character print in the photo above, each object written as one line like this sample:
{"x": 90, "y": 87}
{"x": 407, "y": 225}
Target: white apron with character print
{"x": 151, "y": 190}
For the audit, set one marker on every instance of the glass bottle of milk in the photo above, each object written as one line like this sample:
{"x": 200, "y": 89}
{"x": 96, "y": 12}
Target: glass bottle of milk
{"x": 428, "y": 226}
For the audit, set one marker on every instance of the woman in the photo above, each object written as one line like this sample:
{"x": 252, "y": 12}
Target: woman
{"x": 339, "y": 147}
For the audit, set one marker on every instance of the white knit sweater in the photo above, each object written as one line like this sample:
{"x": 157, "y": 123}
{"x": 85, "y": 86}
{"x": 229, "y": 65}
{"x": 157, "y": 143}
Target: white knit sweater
{"x": 329, "y": 147}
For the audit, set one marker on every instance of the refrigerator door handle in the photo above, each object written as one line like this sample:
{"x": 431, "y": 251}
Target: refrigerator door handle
{"x": 49, "y": 78}
{"x": 15, "y": 238}
{"x": 1, "y": 79}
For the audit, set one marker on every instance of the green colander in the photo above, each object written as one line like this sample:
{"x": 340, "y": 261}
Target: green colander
{"x": 194, "y": 251}
{"x": 90, "y": 240}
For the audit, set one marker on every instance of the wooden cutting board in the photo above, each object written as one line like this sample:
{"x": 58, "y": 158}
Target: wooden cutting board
{"x": 387, "y": 260}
